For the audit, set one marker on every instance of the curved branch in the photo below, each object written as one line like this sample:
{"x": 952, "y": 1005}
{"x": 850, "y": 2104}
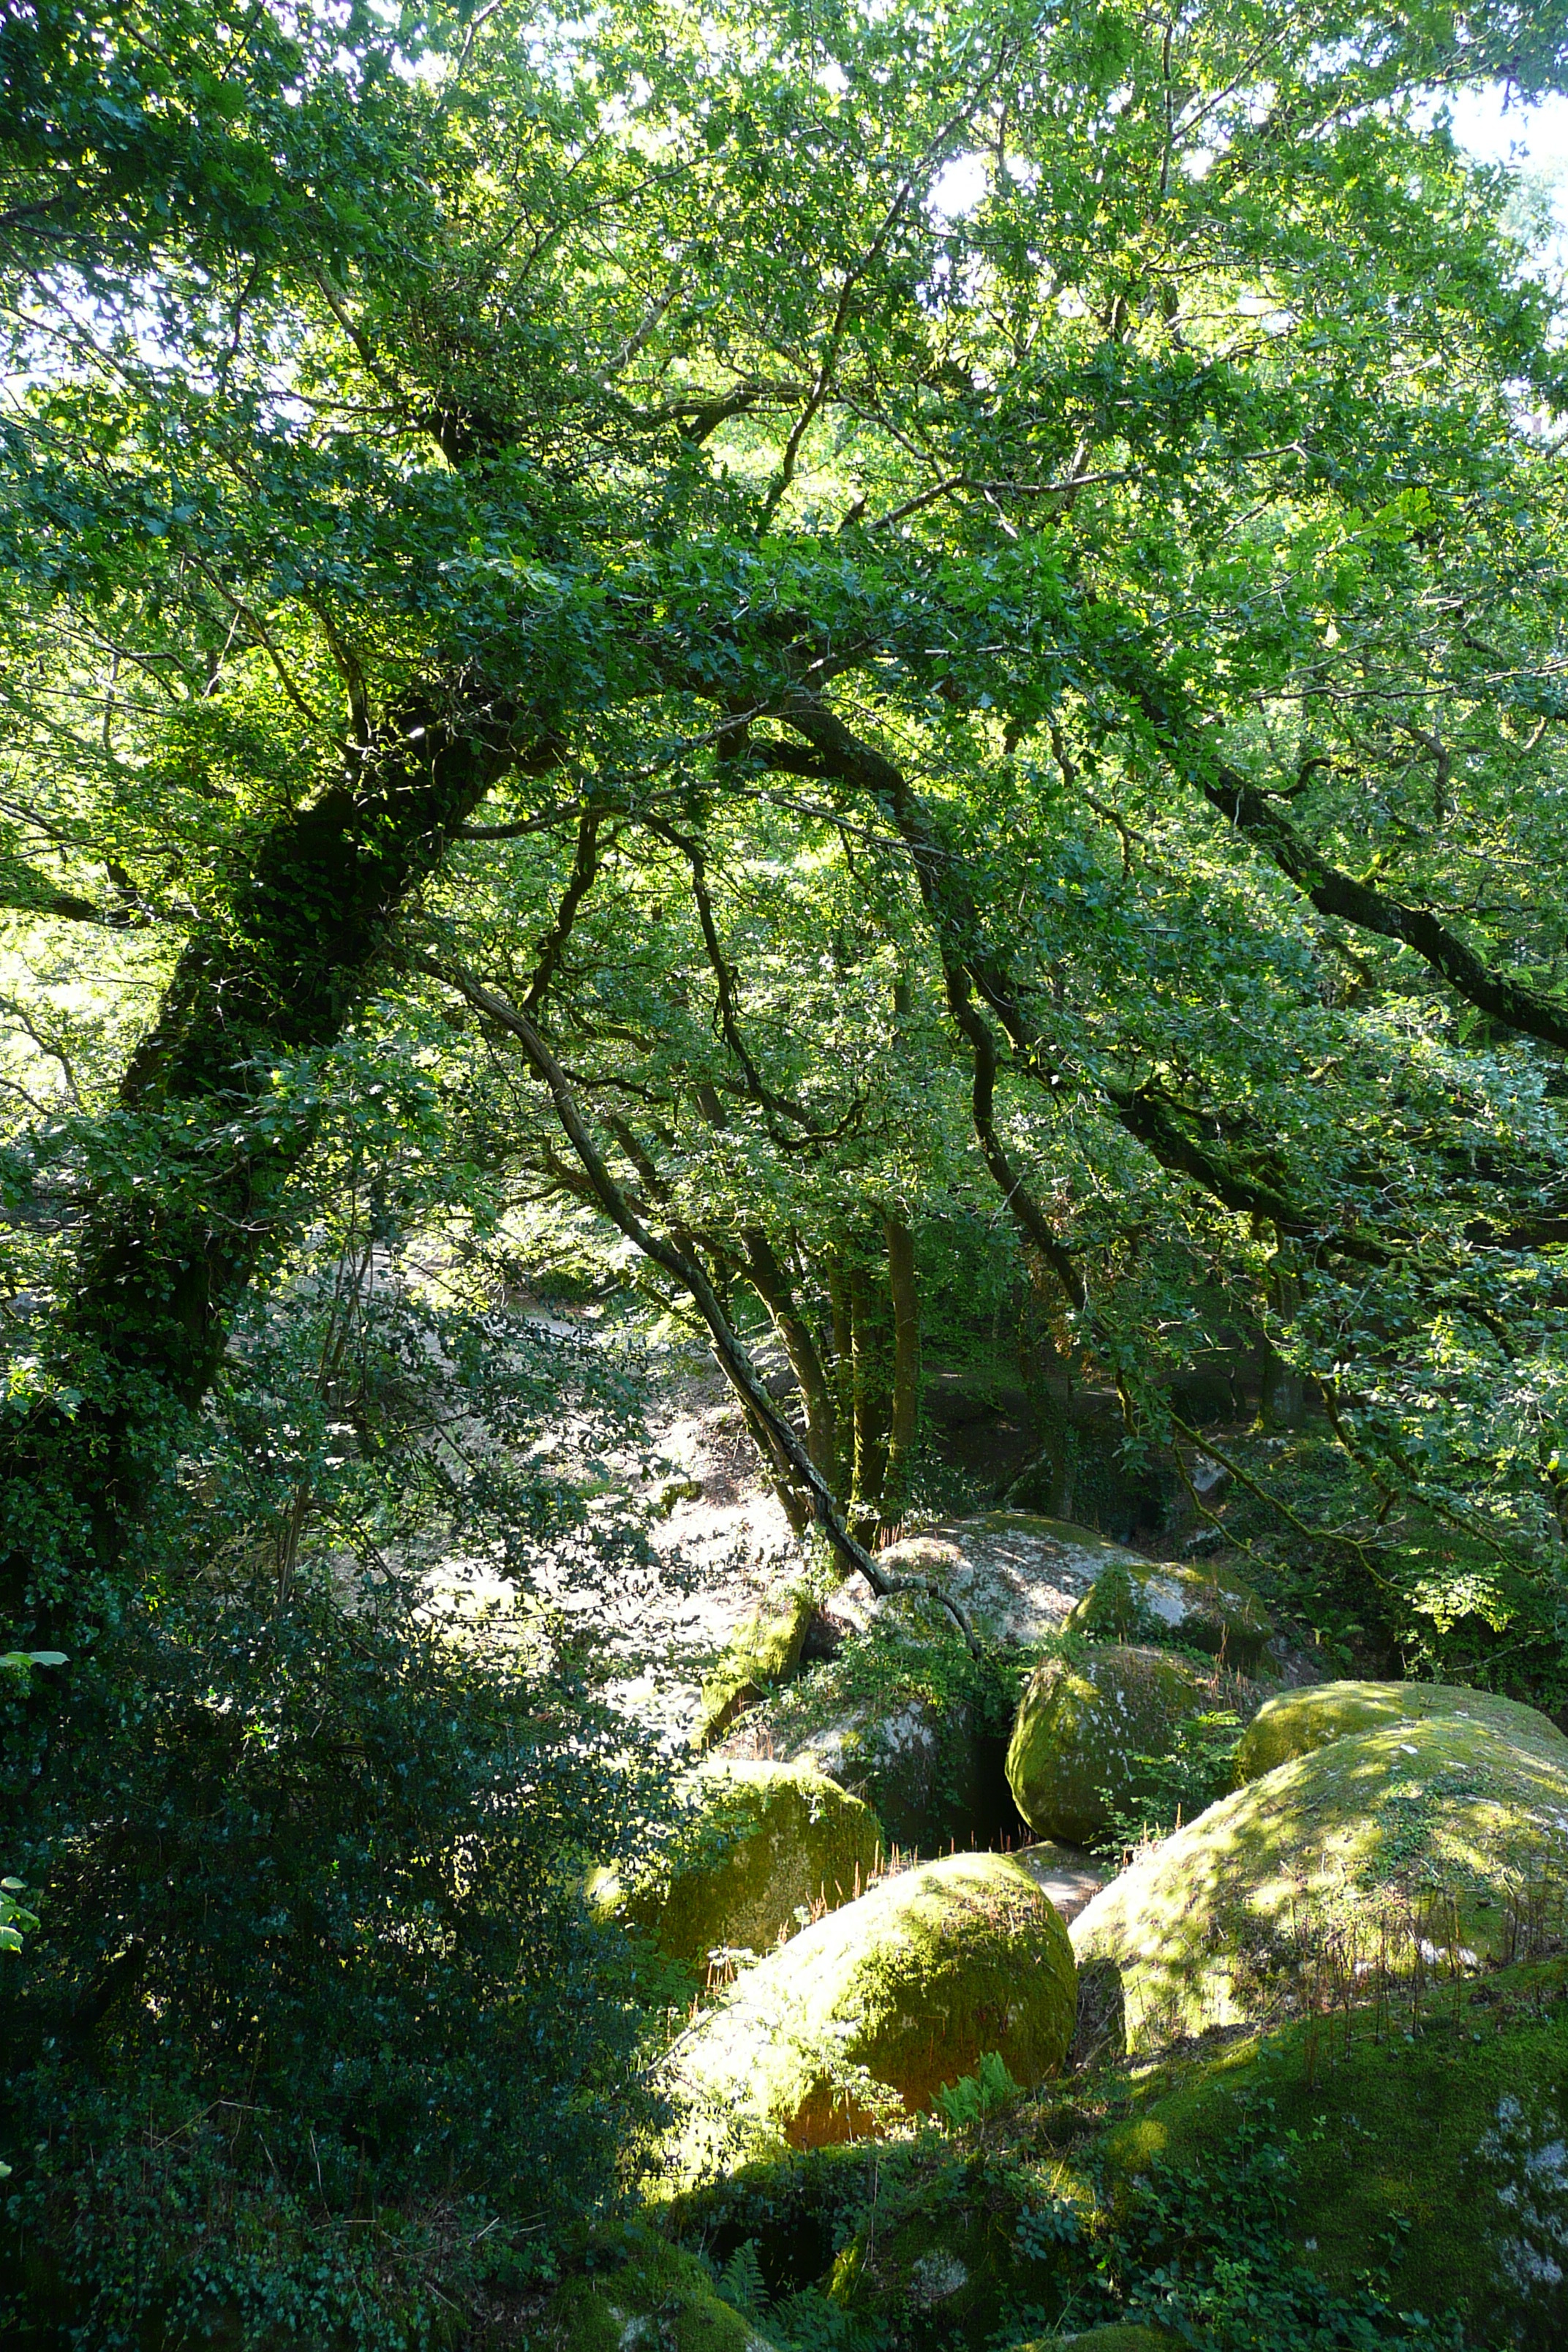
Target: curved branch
{"x": 683, "y": 1269}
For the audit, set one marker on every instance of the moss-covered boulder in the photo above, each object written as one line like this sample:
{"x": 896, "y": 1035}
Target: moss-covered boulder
{"x": 1018, "y": 1575}
{"x": 862, "y": 2018}
{"x": 901, "y": 1716}
{"x": 763, "y": 1651}
{"x": 1439, "y": 2156}
{"x": 1083, "y": 1723}
{"x": 769, "y": 1847}
{"x": 650, "y": 2295}
{"x": 1136, "y": 1600}
{"x": 1297, "y": 1721}
{"x": 1430, "y": 1840}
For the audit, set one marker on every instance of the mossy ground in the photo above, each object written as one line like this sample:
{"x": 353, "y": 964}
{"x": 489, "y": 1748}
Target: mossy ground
{"x": 1434, "y": 1832}
{"x": 1437, "y": 2157}
{"x": 655, "y": 2296}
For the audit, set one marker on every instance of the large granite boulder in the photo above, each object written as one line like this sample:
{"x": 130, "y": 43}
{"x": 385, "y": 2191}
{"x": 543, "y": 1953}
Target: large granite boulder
{"x": 1084, "y": 1723}
{"x": 1162, "y": 1601}
{"x": 864, "y": 2017}
{"x": 1019, "y": 1576}
{"x": 1297, "y": 1721}
{"x": 1432, "y": 1844}
{"x": 769, "y": 1847}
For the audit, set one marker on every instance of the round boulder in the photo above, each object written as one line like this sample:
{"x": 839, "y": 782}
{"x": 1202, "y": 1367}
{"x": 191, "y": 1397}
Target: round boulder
{"x": 1431, "y": 1845}
{"x": 771, "y": 1847}
{"x": 1082, "y": 1723}
{"x": 1297, "y": 1721}
{"x": 864, "y": 2017}
{"x": 1136, "y": 1600}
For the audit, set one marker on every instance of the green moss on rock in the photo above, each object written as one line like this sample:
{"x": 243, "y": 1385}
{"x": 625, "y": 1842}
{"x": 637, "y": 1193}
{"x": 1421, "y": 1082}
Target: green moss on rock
{"x": 1017, "y": 1574}
{"x": 865, "y": 2016}
{"x": 772, "y": 1844}
{"x": 1119, "y": 2337}
{"x": 1297, "y": 1721}
{"x": 763, "y": 1651}
{"x": 1081, "y": 1724}
{"x": 1134, "y": 1600}
{"x": 1367, "y": 1841}
{"x": 900, "y": 1717}
{"x": 658, "y": 2297}
{"x": 1442, "y": 2159}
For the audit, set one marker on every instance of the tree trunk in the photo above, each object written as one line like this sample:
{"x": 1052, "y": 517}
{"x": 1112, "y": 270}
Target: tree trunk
{"x": 872, "y": 1368}
{"x": 772, "y": 1287}
{"x": 165, "y": 1254}
{"x": 904, "y": 1419}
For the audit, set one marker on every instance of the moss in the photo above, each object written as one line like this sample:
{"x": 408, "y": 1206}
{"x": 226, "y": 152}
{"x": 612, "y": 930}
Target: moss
{"x": 1343, "y": 1855}
{"x": 763, "y": 1651}
{"x": 1134, "y": 1600}
{"x": 905, "y": 1718}
{"x": 1394, "y": 2142}
{"x": 1299, "y": 1720}
{"x": 657, "y": 2297}
{"x": 1117, "y": 2337}
{"x": 1081, "y": 1725}
{"x": 772, "y": 1843}
{"x": 860, "y": 2020}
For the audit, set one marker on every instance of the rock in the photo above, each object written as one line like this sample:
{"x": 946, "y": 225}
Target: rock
{"x": 763, "y": 1651}
{"x": 924, "y": 1770}
{"x": 896, "y": 1717}
{"x": 1149, "y": 1600}
{"x": 1121, "y": 2336}
{"x": 772, "y": 1844}
{"x": 943, "y": 2267}
{"x": 1437, "y": 2158}
{"x": 1019, "y": 1576}
{"x": 1438, "y": 1834}
{"x": 1064, "y": 1874}
{"x": 1083, "y": 1722}
{"x": 658, "y": 2297}
{"x": 1299, "y": 1720}
{"x": 865, "y": 2016}
{"x": 672, "y": 1491}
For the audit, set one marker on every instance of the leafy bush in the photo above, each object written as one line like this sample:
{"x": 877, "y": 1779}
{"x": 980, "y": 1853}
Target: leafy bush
{"x": 315, "y": 1991}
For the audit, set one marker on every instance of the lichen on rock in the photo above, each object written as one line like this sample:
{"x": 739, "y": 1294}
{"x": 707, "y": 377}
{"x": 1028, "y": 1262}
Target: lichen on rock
{"x": 1297, "y": 1721}
{"x": 856, "y": 2024}
{"x": 1085, "y": 1720}
{"x": 1134, "y": 1600}
{"x": 1018, "y": 1575}
{"x": 1429, "y": 1835}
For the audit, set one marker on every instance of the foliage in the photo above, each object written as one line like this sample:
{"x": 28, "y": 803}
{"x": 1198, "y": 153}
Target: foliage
{"x": 1177, "y": 1785}
{"x": 313, "y": 1948}
{"x": 974, "y": 2098}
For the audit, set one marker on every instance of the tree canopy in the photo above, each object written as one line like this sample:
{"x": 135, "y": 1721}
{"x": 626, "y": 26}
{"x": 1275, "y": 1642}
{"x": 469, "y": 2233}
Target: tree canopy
{"x": 820, "y": 646}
